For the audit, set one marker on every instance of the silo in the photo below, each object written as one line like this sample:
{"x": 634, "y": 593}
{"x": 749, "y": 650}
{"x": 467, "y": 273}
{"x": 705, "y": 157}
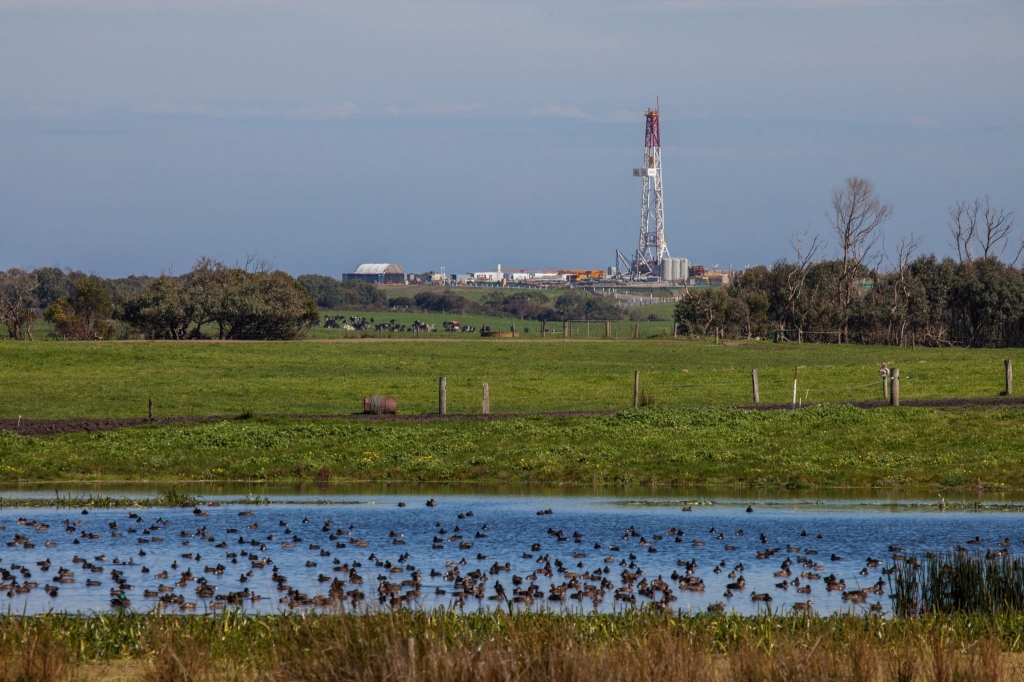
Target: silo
{"x": 666, "y": 270}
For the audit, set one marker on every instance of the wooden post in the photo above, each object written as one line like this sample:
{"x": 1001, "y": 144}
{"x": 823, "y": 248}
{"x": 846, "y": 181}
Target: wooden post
{"x": 442, "y": 396}
{"x": 410, "y": 644}
{"x": 894, "y": 392}
{"x": 636, "y": 331}
{"x": 636, "y": 389}
{"x": 487, "y": 400}
{"x": 675, "y": 330}
{"x": 607, "y": 329}
{"x": 757, "y": 391}
{"x": 151, "y": 405}
{"x": 513, "y": 330}
{"x": 795, "y": 370}
{"x": 543, "y": 329}
{"x": 1009, "y": 376}
{"x": 885, "y": 388}
{"x": 565, "y": 329}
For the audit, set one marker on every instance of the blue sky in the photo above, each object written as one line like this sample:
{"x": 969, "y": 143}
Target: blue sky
{"x": 137, "y": 136}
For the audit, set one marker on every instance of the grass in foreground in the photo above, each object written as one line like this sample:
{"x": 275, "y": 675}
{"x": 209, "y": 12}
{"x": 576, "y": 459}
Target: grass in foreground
{"x": 441, "y": 645}
{"x": 823, "y": 446}
{"x": 54, "y": 380}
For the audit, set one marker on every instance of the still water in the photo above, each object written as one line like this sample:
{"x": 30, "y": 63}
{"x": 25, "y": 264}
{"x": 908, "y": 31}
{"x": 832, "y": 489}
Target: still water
{"x": 341, "y": 547}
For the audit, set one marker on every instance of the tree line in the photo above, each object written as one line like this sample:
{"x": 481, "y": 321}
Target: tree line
{"x": 212, "y": 300}
{"x": 871, "y": 293}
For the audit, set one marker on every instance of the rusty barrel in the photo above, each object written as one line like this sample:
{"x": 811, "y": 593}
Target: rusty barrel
{"x": 379, "y": 404}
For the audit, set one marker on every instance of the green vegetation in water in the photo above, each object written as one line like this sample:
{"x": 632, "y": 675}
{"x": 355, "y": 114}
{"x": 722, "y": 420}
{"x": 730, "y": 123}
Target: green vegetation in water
{"x": 959, "y": 582}
{"x": 824, "y": 446}
{"x": 443, "y": 645}
{"x": 111, "y": 380}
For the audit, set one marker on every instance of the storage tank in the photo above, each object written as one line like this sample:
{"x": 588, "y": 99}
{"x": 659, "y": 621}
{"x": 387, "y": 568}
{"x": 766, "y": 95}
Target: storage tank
{"x": 666, "y": 270}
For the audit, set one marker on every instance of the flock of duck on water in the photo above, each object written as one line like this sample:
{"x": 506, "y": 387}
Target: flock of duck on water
{"x": 613, "y": 573}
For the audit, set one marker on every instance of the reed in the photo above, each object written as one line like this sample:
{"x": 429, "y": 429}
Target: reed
{"x": 638, "y": 645}
{"x": 959, "y": 582}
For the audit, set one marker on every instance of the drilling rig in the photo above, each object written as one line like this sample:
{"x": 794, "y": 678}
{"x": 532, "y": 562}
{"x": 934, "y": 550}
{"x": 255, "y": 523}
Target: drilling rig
{"x": 652, "y": 249}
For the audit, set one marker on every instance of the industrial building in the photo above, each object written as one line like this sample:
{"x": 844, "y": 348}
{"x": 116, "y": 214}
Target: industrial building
{"x": 376, "y": 273}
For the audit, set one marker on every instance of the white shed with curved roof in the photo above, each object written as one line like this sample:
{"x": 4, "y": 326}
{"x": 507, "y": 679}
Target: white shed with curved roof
{"x": 377, "y": 273}
{"x": 379, "y": 269}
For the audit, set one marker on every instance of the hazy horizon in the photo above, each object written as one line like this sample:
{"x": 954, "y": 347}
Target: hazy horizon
{"x": 135, "y": 138}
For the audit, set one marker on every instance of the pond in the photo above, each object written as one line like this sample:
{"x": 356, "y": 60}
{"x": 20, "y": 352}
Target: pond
{"x": 353, "y": 546}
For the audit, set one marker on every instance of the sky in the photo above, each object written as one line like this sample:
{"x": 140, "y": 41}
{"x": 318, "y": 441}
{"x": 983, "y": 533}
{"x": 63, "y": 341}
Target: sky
{"x": 137, "y": 136}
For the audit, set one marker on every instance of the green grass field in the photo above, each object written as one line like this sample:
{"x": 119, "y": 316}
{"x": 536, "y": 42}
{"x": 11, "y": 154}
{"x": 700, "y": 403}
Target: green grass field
{"x": 66, "y": 380}
{"x": 825, "y": 446}
{"x": 671, "y": 443}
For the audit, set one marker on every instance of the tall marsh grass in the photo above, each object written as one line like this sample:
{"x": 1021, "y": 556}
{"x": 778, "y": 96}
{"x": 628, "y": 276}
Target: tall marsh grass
{"x": 441, "y": 645}
{"x": 959, "y": 582}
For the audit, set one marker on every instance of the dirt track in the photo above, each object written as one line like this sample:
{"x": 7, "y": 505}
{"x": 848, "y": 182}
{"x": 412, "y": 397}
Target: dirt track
{"x": 48, "y": 427}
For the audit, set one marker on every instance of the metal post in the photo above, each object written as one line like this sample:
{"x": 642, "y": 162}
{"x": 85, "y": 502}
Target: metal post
{"x": 636, "y": 389}
{"x": 757, "y": 391}
{"x": 442, "y": 396}
{"x": 487, "y": 400}
{"x": 1009, "y": 376}
{"x": 894, "y": 393}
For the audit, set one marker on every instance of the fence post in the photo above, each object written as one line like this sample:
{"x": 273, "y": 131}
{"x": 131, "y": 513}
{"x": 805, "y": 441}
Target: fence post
{"x": 894, "y": 392}
{"x": 565, "y": 329}
{"x": 795, "y": 370}
{"x": 487, "y": 400}
{"x": 607, "y": 329}
{"x": 636, "y": 389}
{"x": 636, "y": 331}
{"x": 675, "y": 329}
{"x": 1009, "y": 376}
{"x": 885, "y": 388}
{"x": 151, "y": 405}
{"x": 757, "y": 391}
{"x": 543, "y": 329}
{"x": 588, "y": 329}
{"x": 513, "y": 330}
{"x": 442, "y": 396}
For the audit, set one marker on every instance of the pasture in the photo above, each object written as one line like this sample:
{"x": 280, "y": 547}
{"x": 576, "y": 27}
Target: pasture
{"x": 53, "y": 380}
{"x": 826, "y": 446}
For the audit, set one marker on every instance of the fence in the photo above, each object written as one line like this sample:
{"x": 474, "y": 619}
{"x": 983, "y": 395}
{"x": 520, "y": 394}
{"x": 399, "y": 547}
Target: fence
{"x": 672, "y": 390}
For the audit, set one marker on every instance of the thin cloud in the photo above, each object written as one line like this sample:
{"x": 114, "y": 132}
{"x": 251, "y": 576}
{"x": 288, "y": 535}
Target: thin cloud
{"x": 162, "y": 108}
{"x": 442, "y": 109}
{"x": 325, "y": 112}
{"x": 560, "y": 111}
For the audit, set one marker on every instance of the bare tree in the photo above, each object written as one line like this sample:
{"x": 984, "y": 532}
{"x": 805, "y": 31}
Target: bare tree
{"x": 855, "y": 217}
{"x": 963, "y": 227}
{"x": 900, "y": 287}
{"x": 979, "y": 227}
{"x": 805, "y": 255}
{"x": 16, "y": 287}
